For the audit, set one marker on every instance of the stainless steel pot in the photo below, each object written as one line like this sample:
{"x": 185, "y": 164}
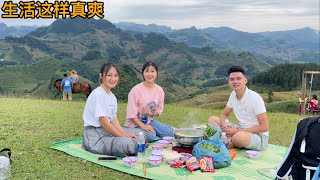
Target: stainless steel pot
{"x": 189, "y": 136}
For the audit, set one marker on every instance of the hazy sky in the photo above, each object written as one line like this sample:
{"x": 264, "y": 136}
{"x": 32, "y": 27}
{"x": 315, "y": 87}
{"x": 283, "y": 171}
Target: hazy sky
{"x": 244, "y": 15}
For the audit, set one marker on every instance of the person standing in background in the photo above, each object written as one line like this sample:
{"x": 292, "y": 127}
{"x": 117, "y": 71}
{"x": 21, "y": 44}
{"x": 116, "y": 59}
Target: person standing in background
{"x": 74, "y": 76}
{"x": 66, "y": 86}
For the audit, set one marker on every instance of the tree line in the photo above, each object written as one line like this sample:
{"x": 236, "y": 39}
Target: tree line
{"x": 287, "y": 77}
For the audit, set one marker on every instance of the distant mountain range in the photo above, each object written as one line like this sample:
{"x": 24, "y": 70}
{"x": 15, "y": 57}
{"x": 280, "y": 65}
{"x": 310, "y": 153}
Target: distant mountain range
{"x": 300, "y": 45}
{"x": 85, "y": 45}
{"x": 15, "y": 31}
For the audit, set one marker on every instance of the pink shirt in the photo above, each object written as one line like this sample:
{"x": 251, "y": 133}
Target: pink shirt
{"x": 138, "y": 98}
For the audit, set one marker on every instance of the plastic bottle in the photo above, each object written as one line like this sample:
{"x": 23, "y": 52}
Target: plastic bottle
{"x": 141, "y": 146}
{"x": 228, "y": 124}
{"x": 224, "y": 139}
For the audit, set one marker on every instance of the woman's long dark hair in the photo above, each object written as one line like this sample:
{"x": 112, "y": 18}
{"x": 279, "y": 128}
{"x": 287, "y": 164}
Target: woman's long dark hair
{"x": 314, "y": 97}
{"x": 147, "y": 64}
{"x": 105, "y": 68}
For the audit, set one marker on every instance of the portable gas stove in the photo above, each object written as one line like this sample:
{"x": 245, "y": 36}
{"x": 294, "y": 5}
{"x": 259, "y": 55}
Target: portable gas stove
{"x": 181, "y": 148}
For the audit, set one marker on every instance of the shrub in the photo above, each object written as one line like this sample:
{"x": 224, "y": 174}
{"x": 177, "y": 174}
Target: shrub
{"x": 283, "y": 106}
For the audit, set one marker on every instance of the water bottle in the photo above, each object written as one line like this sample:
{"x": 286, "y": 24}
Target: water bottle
{"x": 229, "y": 125}
{"x": 141, "y": 146}
{"x": 224, "y": 139}
{"x": 144, "y": 119}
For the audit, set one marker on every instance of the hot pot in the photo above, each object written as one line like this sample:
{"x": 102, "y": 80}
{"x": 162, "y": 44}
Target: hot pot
{"x": 189, "y": 136}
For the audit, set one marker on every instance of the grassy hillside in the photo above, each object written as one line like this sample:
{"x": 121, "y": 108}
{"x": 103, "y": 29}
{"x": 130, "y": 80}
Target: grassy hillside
{"x": 287, "y": 77}
{"x": 29, "y": 126}
{"x": 85, "y": 45}
{"x": 23, "y": 79}
{"x": 217, "y": 97}
{"x": 35, "y": 79}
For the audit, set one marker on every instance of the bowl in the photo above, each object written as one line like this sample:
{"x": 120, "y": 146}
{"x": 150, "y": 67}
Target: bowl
{"x": 164, "y": 143}
{"x": 154, "y": 160}
{"x": 130, "y": 161}
{"x": 189, "y": 136}
{"x": 169, "y": 154}
{"x": 168, "y": 138}
{"x": 185, "y": 156}
{"x": 173, "y": 160}
{"x": 156, "y": 153}
{"x": 252, "y": 154}
{"x": 157, "y": 147}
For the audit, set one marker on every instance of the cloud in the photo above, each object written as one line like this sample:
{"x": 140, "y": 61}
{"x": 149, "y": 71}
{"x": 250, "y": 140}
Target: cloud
{"x": 245, "y": 15}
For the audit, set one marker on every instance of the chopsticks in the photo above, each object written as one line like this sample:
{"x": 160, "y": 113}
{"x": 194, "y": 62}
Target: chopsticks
{"x": 144, "y": 168}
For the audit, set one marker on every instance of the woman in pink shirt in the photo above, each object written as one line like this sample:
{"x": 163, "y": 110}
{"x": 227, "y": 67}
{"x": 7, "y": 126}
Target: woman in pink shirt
{"x": 146, "y": 101}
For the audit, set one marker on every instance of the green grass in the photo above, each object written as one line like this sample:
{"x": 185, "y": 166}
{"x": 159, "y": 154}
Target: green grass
{"x": 30, "y": 126}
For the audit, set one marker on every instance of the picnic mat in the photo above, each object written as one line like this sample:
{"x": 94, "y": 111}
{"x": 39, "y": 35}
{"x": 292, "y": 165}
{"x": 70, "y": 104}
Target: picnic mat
{"x": 240, "y": 168}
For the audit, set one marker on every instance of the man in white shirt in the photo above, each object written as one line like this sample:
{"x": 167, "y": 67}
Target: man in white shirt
{"x": 249, "y": 109}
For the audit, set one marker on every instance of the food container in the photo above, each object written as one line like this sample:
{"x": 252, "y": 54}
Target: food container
{"x": 130, "y": 161}
{"x": 170, "y": 157}
{"x": 168, "y": 138}
{"x": 156, "y": 153}
{"x": 189, "y": 136}
{"x": 173, "y": 160}
{"x": 252, "y": 154}
{"x": 164, "y": 143}
{"x": 185, "y": 156}
{"x": 157, "y": 147}
{"x": 154, "y": 160}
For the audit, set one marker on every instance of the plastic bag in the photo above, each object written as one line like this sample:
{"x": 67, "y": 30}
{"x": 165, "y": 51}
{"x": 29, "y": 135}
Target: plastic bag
{"x": 215, "y": 149}
{"x": 316, "y": 175}
{"x": 212, "y": 132}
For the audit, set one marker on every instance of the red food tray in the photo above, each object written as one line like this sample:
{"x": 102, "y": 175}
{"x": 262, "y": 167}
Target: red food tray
{"x": 182, "y": 149}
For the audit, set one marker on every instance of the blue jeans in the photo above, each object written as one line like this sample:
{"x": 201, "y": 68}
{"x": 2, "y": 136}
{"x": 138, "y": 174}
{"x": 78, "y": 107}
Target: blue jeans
{"x": 161, "y": 130}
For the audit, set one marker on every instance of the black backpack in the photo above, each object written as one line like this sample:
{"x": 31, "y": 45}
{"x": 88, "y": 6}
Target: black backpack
{"x": 8, "y": 155}
{"x": 303, "y": 156}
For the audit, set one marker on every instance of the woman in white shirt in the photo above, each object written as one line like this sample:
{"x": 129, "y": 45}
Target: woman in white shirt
{"x": 103, "y": 133}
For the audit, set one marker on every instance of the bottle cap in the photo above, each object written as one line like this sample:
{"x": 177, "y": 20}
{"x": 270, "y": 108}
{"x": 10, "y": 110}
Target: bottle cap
{"x": 140, "y": 133}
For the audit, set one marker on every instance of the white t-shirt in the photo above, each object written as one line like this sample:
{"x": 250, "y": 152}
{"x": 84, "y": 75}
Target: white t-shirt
{"x": 247, "y": 108}
{"x": 99, "y": 103}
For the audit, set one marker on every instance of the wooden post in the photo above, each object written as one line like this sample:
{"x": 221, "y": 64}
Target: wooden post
{"x": 303, "y": 94}
{"x": 304, "y": 88}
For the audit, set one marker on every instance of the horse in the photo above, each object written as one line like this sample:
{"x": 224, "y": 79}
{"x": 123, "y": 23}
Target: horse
{"x": 82, "y": 87}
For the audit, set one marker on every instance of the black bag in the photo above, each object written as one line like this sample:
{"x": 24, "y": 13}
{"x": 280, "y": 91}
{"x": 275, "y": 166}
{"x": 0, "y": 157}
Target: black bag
{"x": 303, "y": 156}
{"x": 4, "y": 150}
{"x": 5, "y": 163}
